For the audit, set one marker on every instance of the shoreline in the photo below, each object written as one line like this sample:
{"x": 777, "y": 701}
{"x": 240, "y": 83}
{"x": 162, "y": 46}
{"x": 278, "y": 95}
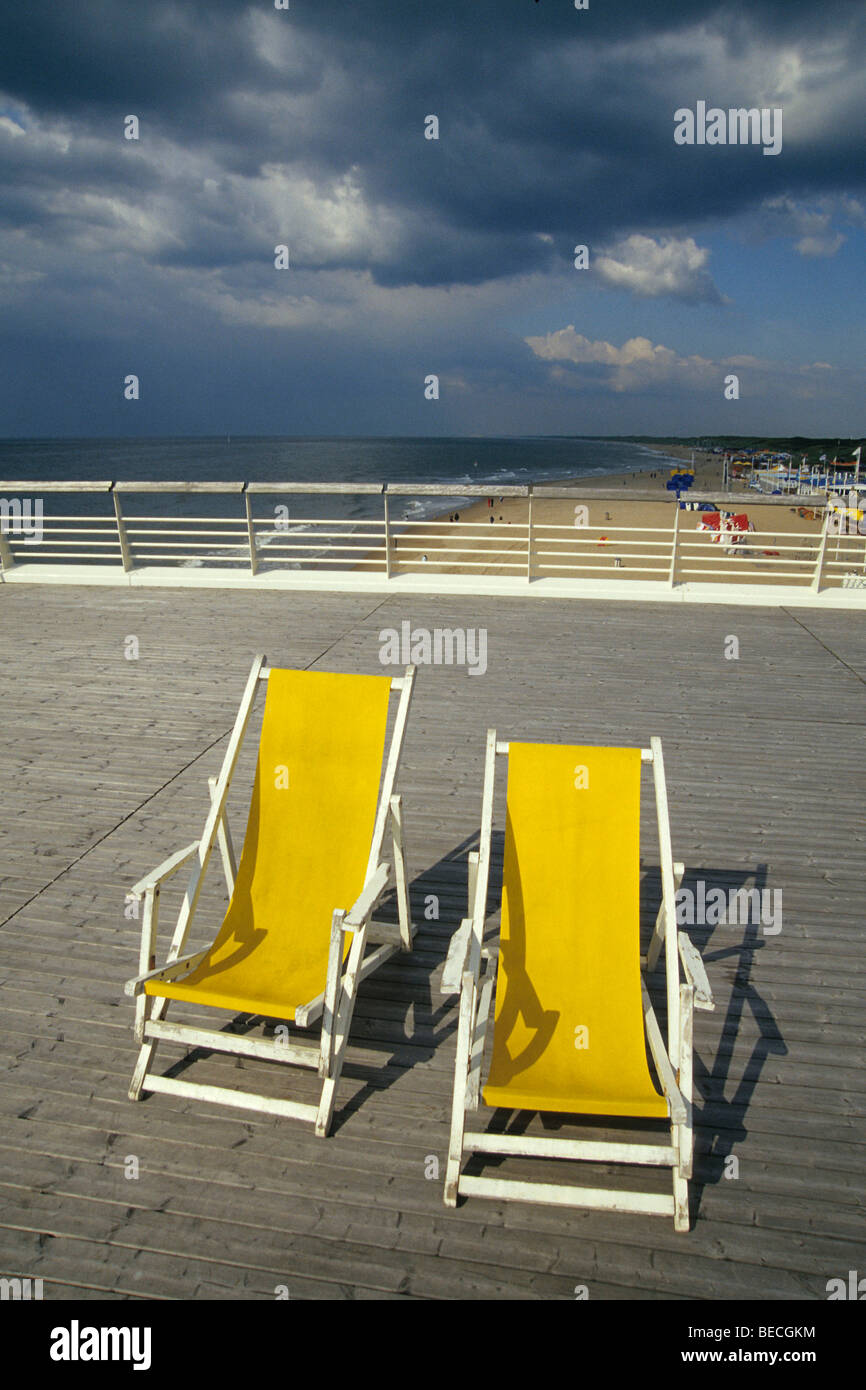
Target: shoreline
{"x": 645, "y": 526}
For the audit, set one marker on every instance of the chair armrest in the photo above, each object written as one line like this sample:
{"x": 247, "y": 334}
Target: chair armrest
{"x": 452, "y": 975}
{"x": 163, "y": 871}
{"x": 182, "y": 966}
{"x": 353, "y": 920}
{"x": 367, "y": 898}
{"x": 695, "y": 973}
{"x": 671, "y": 1090}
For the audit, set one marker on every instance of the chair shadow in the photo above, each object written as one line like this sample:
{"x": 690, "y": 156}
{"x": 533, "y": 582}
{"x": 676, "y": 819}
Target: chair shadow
{"x": 719, "y": 1122}
{"x": 427, "y": 1016}
{"x": 433, "y": 1015}
{"x": 519, "y": 999}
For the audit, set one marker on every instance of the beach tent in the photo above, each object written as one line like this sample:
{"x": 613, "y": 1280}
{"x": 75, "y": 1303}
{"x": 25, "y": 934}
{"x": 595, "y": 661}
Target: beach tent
{"x": 728, "y": 526}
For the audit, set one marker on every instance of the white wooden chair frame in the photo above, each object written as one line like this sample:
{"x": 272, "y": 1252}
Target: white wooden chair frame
{"x": 335, "y": 1005}
{"x": 470, "y": 971}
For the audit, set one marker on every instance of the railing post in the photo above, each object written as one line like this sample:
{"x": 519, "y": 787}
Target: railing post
{"x": 7, "y": 560}
{"x": 672, "y": 575}
{"x": 251, "y": 533}
{"x": 819, "y": 563}
{"x": 125, "y": 552}
{"x": 387, "y": 535}
{"x": 529, "y": 540}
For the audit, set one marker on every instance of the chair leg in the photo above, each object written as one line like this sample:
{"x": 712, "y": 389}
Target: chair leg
{"x": 461, "y": 1078}
{"x": 332, "y": 985}
{"x": 142, "y": 1066}
{"x": 340, "y": 1036}
{"x": 682, "y": 1221}
{"x": 479, "y": 1036}
{"x": 685, "y": 1077}
{"x": 329, "y": 1085}
{"x": 326, "y": 1107}
{"x": 146, "y": 1051}
{"x": 684, "y": 1137}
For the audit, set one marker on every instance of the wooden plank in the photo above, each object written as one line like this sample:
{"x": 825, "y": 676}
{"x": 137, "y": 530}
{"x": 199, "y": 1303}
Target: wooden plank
{"x": 599, "y": 1152}
{"x": 222, "y": 1095}
{"x": 271, "y": 1051}
{"x": 780, "y": 1079}
{"x": 555, "y": 1194}
{"x": 455, "y": 963}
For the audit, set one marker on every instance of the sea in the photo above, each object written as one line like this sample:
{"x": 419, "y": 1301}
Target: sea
{"x": 469, "y": 462}
{"x": 485, "y": 462}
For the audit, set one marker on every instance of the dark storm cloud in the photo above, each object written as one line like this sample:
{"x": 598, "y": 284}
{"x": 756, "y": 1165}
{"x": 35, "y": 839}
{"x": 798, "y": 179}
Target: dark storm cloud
{"x": 306, "y": 127}
{"x": 554, "y": 123}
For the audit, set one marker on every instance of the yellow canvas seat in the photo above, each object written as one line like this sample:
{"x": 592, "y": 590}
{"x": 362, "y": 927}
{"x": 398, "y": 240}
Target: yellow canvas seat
{"x": 291, "y": 945}
{"x": 568, "y": 1026}
{"x": 573, "y": 1019}
{"x": 320, "y": 758}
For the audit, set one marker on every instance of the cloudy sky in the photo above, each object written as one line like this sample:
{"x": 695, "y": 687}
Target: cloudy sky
{"x": 411, "y": 256}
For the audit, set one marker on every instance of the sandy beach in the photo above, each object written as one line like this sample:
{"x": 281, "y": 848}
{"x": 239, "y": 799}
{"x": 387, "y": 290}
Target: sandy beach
{"x": 571, "y": 538}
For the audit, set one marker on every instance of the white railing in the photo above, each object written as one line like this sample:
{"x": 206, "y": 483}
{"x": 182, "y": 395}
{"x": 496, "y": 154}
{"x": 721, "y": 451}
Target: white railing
{"x": 119, "y": 528}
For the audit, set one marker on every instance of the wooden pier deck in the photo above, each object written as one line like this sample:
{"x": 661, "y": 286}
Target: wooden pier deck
{"x": 104, "y": 768}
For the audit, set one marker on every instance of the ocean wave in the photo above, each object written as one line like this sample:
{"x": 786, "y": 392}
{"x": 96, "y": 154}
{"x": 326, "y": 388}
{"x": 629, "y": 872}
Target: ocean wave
{"x": 263, "y": 540}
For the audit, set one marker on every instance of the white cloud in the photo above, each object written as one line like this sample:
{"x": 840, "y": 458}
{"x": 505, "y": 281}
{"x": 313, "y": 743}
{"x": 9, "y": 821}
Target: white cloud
{"x": 640, "y": 364}
{"x": 672, "y": 266}
{"x": 263, "y": 310}
{"x": 812, "y": 226}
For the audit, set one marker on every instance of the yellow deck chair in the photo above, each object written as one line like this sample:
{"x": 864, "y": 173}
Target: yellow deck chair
{"x": 309, "y": 879}
{"x": 572, "y": 1016}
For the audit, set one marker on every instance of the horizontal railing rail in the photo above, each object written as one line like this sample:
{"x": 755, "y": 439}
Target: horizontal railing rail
{"x": 130, "y": 532}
